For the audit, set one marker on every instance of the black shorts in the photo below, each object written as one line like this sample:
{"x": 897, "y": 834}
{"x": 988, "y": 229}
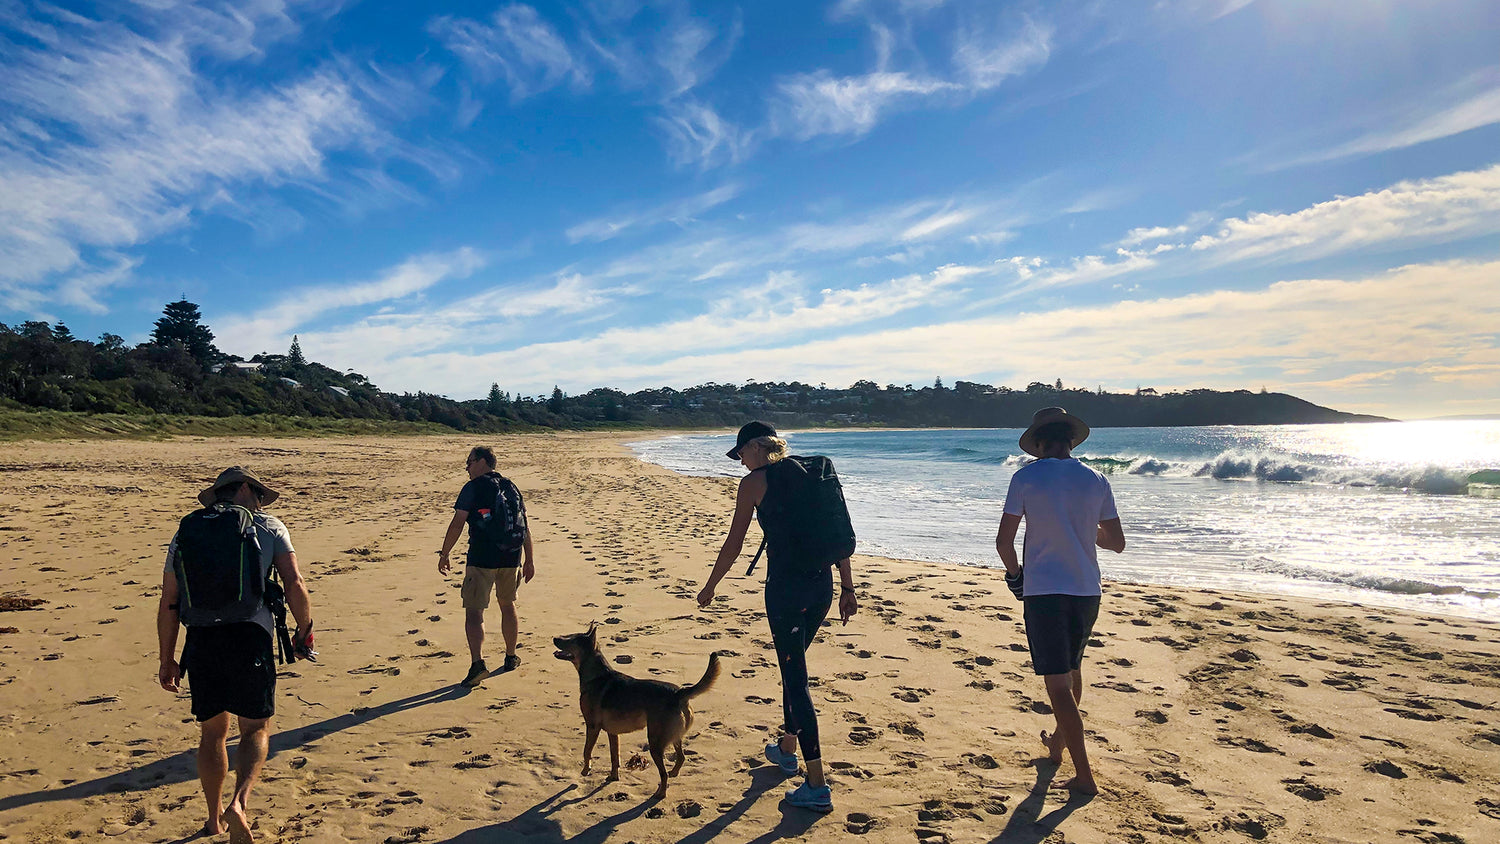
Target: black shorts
{"x": 1058, "y": 628}
{"x": 231, "y": 668}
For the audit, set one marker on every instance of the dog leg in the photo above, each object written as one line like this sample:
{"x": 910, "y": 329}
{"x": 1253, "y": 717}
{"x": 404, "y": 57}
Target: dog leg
{"x": 591, "y": 736}
{"x": 658, "y": 755}
{"x": 681, "y": 755}
{"x": 614, "y": 758}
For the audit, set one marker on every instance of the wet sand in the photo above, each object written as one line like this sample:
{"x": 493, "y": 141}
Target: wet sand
{"x": 1211, "y": 716}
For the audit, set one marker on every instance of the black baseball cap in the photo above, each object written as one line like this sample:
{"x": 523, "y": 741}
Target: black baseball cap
{"x": 748, "y": 432}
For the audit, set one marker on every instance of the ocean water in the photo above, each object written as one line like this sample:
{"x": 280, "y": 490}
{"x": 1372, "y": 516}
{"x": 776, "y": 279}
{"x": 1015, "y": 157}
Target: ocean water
{"x": 1402, "y": 514}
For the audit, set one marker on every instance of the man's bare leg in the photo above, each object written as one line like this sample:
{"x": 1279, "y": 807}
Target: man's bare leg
{"x": 474, "y": 630}
{"x": 1054, "y": 740}
{"x": 1070, "y": 732}
{"x": 510, "y": 626}
{"x": 255, "y": 735}
{"x": 213, "y": 769}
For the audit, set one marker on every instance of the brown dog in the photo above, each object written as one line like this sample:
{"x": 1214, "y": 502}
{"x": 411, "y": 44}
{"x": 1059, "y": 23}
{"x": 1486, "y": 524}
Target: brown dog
{"x": 617, "y": 703}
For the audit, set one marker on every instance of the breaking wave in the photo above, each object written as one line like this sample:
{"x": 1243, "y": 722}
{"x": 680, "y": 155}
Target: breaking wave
{"x": 1236, "y": 465}
{"x": 1377, "y": 583}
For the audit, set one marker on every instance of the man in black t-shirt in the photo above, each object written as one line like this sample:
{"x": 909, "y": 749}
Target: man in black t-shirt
{"x": 489, "y": 567}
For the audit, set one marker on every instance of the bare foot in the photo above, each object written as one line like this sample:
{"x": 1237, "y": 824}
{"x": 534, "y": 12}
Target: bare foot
{"x": 239, "y": 825}
{"x": 1078, "y": 784}
{"x": 1054, "y": 746}
{"x": 211, "y": 828}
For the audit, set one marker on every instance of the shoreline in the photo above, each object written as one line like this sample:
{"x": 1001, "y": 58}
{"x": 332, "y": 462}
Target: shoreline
{"x": 1417, "y": 592}
{"x": 1212, "y": 715}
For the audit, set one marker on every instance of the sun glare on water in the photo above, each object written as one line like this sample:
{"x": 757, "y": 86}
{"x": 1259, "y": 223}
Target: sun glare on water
{"x": 1435, "y": 443}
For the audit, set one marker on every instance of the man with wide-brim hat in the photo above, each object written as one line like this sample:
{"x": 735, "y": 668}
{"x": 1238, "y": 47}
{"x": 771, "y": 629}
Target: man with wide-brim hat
{"x": 229, "y": 663}
{"x": 1069, "y": 510}
{"x": 238, "y": 475}
{"x": 1078, "y": 430}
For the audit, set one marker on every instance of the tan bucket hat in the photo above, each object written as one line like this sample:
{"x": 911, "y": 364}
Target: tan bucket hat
{"x": 1047, "y": 416}
{"x": 234, "y": 475}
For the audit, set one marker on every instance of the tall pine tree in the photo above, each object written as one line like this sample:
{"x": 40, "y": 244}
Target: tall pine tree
{"x": 181, "y": 323}
{"x": 294, "y": 355}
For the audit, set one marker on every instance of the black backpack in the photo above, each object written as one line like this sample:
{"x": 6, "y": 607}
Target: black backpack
{"x": 217, "y": 564}
{"x": 503, "y": 524}
{"x": 803, "y": 515}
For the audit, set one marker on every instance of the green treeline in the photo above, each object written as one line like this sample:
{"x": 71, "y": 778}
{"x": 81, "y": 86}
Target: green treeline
{"x": 180, "y": 372}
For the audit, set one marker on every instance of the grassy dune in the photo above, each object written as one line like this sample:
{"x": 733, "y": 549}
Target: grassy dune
{"x": 60, "y": 425}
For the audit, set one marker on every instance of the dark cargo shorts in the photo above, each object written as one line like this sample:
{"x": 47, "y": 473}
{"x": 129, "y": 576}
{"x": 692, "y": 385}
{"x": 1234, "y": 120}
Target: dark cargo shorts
{"x": 231, "y": 668}
{"x": 1058, "y": 628}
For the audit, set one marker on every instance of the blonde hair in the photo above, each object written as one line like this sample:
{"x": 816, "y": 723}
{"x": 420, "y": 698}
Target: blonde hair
{"x": 775, "y": 447}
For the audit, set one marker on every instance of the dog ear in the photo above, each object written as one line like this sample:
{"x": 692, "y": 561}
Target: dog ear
{"x": 593, "y": 633}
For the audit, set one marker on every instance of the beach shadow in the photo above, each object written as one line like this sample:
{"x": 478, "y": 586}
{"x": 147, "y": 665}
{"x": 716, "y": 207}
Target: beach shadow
{"x": 535, "y": 825}
{"x": 1027, "y": 824}
{"x": 762, "y": 779}
{"x": 182, "y": 767}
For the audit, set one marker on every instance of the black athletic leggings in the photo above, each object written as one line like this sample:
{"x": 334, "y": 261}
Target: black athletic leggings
{"x": 795, "y": 609}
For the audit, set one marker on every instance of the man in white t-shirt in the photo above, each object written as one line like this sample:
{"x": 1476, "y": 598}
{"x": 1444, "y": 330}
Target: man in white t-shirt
{"x": 1069, "y": 510}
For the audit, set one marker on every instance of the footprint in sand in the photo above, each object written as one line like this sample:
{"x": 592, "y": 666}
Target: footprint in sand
{"x": 1386, "y": 768}
{"x": 908, "y": 729}
{"x": 859, "y": 823}
{"x": 1310, "y": 730}
{"x": 1250, "y": 744}
{"x": 863, "y": 735}
{"x": 1308, "y": 790}
{"x": 1168, "y": 777}
{"x": 849, "y": 769}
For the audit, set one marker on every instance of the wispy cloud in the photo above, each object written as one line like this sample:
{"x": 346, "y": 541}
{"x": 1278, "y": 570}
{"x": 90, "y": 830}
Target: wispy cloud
{"x": 136, "y": 141}
{"x": 697, "y": 136}
{"x": 983, "y": 54}
{"x": 1407, "y": 213}
{"x": 984, "y": 59}
{"x": 679, "y": 212}
{"x": 272, "y": 324}
{"x": 777, "y": 311}
{"x": 1473, "y": 112}
{"x": 1331, "y": 331}
{"x": 819, "y": 103}
{"x": 518, "y": 45}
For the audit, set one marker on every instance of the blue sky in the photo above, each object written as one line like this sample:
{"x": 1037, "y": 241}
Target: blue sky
{"x": 1302, "y": 195}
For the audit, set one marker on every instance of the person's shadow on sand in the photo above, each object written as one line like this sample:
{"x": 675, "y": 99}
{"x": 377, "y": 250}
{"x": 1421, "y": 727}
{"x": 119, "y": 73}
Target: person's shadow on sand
{"x": 1027, "y": 824}
{"x": 536, "y": 826}
{"x": 182, "y": 767}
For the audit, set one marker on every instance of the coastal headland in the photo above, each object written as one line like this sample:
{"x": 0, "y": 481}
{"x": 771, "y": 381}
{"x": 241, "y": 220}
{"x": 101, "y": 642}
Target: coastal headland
{"x": 1213, "y": 716}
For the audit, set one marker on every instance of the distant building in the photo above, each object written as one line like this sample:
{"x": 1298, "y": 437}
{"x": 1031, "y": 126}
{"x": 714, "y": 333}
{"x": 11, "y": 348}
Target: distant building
{"x": 339, "y": 390}
{"x": 291, "y": 382}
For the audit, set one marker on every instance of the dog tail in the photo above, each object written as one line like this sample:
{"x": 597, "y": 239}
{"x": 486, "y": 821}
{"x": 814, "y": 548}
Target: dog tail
{"x": 703, "y": 685}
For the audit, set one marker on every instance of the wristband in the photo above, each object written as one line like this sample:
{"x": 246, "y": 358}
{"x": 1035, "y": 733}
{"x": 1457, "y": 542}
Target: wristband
{"x": 847, "y": 588}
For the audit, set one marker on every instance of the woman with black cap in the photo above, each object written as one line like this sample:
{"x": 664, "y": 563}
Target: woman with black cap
{"x": 798, "y": 597}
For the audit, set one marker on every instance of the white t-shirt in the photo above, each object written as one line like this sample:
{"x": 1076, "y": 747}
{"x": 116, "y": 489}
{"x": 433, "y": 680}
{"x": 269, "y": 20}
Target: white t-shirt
{"x": 1063, "y": 502}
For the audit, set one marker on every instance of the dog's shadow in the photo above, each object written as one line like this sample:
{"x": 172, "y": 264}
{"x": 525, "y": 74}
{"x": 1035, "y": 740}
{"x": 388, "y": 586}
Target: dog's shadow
{"x": 537, "y": 826}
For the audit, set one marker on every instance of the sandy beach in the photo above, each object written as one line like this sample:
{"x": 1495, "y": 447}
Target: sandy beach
{"x": 1212, "y": 716}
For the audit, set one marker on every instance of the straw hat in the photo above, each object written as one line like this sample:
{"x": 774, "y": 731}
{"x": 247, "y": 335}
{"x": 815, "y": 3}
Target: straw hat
{"x": 234, "y": 475}
{"x": 1046, "y": 416}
